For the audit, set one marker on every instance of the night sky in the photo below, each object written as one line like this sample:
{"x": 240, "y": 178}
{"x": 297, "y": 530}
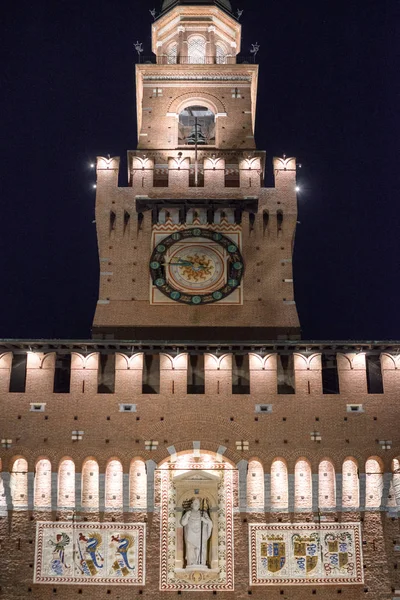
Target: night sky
{"x": 328, "y": 94}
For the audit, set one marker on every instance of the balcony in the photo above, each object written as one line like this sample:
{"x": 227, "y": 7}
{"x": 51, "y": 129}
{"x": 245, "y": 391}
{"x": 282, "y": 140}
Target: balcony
{"x": 165, "y": 59}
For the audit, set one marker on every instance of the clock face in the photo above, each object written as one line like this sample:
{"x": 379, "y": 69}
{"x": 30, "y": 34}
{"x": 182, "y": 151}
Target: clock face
{"x": 196, "y": 266}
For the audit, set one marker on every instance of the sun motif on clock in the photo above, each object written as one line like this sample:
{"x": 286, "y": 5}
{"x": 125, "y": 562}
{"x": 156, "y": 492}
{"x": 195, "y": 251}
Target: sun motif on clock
{"x": 196, "y": 266}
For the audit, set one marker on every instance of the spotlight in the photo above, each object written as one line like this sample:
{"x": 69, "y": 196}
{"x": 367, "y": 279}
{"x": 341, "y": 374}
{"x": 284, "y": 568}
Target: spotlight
{"x": 94, "y": 186}
{"x": 297, "y": 188}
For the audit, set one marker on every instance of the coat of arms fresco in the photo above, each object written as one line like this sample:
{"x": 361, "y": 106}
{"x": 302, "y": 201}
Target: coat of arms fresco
{"x": 303, "y": 553}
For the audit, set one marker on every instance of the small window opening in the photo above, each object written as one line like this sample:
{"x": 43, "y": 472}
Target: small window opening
{"x": 192, "y": 176}
{"x": 18, "y": 373}
{"x": 127, "y": 220}
{"x": 195, "y": 374}
{"x": 113, "y": 218}
{"x": 240, "y": 374}
{"x": 106, "y": 374}
{"x": 265, "y": 220}
{"x": 374, "y": 374}
{"x": 151, "y": 374}
{"x": 62, "y": 374}
{"x": 330, "y": 376}
{"x": 279, "y": 220}
{"x": 232, "y": 177}
{"x": 252, "y": 220}
{"x": 286, "y": 374}
{"x": 160, "y": 177}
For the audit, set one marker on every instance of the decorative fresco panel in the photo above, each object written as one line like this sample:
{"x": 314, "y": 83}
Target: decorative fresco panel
{"x": 305, "y": 553}
{"x": 90, "y": 553}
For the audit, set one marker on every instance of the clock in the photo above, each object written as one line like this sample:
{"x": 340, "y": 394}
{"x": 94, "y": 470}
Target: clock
{"x": 196, "y": 266}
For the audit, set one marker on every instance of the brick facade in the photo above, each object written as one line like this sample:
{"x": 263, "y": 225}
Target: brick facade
{"x": 309, "y": 430}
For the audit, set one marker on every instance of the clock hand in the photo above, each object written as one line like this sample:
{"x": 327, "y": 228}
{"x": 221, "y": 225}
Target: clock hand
{"x": 181, "y": 263}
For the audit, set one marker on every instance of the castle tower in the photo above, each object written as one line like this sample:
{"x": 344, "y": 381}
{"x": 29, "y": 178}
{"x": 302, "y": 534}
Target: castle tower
{"x": 231, "y": 463}
{"x": 196, "y": 247}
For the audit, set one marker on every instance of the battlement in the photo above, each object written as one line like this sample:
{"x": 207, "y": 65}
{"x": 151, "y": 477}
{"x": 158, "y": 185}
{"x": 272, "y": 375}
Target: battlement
{"x": 130, "y": 369}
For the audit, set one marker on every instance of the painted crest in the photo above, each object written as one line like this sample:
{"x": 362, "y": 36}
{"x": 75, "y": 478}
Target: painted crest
{"x": 338, "y": 556}
{"x": 306, "y": 550}
{"x": 273, "y": 553}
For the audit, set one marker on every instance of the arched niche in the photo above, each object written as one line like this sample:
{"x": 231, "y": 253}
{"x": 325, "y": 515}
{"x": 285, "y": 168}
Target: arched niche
{"x": 255, "y": 485}
{"x": 66, "y": 484}
{"x": 302, "y": 485}
{"x": 114, "y": 484}
{"x": 137, "y": 484}
{"x": 326, "y": 484}
{"x": 350, "y": 484}
{"x": 279, "y": 484}
{"x": 19, "y": 483}
{"x": 373, "y": 482}
{"x": 90, "y": 484}
{"x": 42, "y": 486}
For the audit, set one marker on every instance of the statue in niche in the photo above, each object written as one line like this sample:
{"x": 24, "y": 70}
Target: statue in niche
{"x": 197, "y": 526}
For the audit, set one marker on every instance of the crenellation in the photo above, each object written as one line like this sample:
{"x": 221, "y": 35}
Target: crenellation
{"x": 263, "y": 374}
{"x": 352, "y": 373}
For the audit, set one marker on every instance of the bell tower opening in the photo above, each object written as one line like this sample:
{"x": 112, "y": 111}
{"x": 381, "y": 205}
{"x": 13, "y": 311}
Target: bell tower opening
{"x": 196, "y": 126}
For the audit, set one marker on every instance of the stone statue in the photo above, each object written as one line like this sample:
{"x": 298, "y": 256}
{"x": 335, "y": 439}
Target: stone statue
{"x": 197, "y": 527}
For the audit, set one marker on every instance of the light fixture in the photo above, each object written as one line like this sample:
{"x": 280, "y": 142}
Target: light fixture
{"x": 94, "y": 186}
{"x": 92, "y": 165}
{"x": 297, "y": 188}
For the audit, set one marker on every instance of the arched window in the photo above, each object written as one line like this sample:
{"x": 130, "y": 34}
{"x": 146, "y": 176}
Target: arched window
{"x": 66, "y": 484}
{"x": 326, "y": 485}
{"x": 196, "y": 50}
{"x": 114, "y": 485}
{"x": 42, "y": 493}
{"x": 220, "y": 54}
{"x": 255, "y": 485}
{"x": 90, "y": 484}
{"x": 172, "y": 54}
{"x": 350, "y": 484}
{"x": 19, "y": 483}
{"x": 137, "y": 485}
{"x": 373, "y": 483}
{"x": 302, "y": 485}
{"x": 279, "y": 484}
{"x": 196, "y": 124}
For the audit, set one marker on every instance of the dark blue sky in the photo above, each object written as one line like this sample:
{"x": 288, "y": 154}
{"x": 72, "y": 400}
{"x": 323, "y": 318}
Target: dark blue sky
{"x": 328, "y": 94}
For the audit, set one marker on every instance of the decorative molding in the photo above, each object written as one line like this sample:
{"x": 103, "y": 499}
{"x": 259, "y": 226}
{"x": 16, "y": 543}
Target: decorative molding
{"x": 187, "y": 77}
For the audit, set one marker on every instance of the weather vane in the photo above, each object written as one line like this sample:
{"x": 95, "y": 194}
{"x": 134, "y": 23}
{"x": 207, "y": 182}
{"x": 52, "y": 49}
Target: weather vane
{"x": 153, "y": 13}
{"x": 239, "y": 14}
{"x": 254, "y": 49}
{"x": 138, "y": 48}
